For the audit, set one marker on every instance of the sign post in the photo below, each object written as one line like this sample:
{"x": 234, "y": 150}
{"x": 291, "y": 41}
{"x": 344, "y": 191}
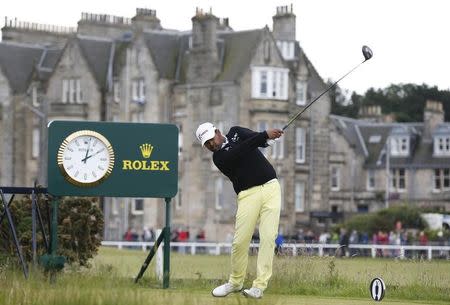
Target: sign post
{"x": 115, "y": 160}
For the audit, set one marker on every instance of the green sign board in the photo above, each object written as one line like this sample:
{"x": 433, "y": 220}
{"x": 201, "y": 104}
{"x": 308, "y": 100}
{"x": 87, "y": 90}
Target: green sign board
{"x": 112, "y": 159}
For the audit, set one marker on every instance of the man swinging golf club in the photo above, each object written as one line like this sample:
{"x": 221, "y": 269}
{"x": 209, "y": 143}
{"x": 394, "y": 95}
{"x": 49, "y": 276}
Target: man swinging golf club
{"x": 255, "y": 182}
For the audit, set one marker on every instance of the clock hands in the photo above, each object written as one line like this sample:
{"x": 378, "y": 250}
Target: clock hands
{"x": 87, "y": 152}
{"x": 87, "y": 157}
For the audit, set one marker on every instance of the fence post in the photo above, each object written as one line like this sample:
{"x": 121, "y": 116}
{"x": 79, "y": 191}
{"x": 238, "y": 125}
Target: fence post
{"x": 320, "y": 250}
{"x": 193, "y": 246}
{"x": 218, "y": 249}
{"x": 429, "y": 253}
{"x": 374, "y": 251}
{"x": 402, "y": 252}
{"x": 294, "y": 250}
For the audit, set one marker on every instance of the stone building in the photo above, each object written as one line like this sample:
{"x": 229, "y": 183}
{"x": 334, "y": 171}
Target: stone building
{"x": 113, "y": 68}
{"x": 387, "y": 163}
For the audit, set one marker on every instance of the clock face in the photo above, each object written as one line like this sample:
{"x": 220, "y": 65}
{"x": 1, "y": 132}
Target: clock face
{"x": 86, "y": 158}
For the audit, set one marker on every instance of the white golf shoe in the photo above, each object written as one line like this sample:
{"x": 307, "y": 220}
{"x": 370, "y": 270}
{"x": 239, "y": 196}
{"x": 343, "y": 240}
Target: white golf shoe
{"x": 225, "y": 289}
{"x": 253, "y": 292}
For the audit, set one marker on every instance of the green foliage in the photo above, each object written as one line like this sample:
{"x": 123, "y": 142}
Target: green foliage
{"x": 405, "y": 101}
{"x": 386, "y": 219}
{"x": 80, "y": 227}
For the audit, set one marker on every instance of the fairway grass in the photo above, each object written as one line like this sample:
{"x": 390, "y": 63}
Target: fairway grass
{"x": 296, "y": 280}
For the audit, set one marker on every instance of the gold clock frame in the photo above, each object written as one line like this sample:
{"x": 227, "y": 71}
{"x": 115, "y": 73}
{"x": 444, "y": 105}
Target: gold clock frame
{"x": 65, "y": 143}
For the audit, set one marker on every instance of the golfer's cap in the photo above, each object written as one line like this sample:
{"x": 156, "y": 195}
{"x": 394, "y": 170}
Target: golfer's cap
{"x": 205, "y": 132}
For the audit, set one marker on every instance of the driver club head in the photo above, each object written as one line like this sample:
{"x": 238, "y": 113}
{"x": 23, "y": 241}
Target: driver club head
{"x": 367, "y": 52}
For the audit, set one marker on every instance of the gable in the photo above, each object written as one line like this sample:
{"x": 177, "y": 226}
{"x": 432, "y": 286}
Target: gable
{"x": 266, "y": 52}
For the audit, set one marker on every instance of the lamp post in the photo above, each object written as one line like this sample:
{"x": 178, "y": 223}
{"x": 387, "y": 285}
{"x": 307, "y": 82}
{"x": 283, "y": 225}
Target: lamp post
{"x": 386, "y": 195}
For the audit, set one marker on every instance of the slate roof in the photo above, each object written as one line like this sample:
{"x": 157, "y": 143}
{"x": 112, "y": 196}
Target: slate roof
{"x": 97, "y": 54}
{"x": 358, "y": 134}
{"x": 164, "y": 48}
{"x": 239, "y": 50}
{"x": 18, "y": 61}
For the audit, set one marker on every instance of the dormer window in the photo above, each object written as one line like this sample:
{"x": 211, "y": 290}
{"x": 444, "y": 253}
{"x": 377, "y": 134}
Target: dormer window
{"x": 399, "y": 146}
{"x": 442, "y": 145}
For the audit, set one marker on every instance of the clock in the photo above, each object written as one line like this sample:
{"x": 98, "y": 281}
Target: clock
{"x": 85, "y": 158}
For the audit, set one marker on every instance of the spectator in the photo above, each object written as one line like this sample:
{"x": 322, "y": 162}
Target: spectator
{"x": 423, "y": 241}
{"x": 278, "y": 243}
{"x": 128, "y": 236}
{"x": 343, "y": 243}
{"x": 148, "y": 234}
{"x": 201, "y": 235}
{"x": 353, "y": 239}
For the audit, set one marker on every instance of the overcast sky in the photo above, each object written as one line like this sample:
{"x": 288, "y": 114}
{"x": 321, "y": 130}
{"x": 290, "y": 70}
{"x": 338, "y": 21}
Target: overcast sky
{"x": 409, "y": 39}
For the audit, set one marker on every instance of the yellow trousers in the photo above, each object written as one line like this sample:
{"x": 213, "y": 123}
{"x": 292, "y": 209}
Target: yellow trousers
{"x": 260, "y": 203}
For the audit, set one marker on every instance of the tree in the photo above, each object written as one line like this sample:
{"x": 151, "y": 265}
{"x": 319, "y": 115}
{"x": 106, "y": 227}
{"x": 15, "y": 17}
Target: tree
{"x": 80, "y": 227}
{"x": 405, "y": 101}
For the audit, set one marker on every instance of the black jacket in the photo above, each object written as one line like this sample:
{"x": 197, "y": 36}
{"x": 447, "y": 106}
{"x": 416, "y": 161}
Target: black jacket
{"x": 241, "y": 161}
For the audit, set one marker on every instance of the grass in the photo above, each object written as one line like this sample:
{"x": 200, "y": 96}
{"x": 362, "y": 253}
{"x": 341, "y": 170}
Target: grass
{"x": 296, "y": 280}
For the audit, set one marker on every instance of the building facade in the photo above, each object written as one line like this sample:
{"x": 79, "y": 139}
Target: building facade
{"x": 120, "y": 69}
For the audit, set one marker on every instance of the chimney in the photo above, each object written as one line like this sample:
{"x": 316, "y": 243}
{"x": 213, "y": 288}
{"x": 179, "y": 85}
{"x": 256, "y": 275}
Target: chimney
{"x": 371, "y": 113}
{"x": 204, "y": 32}
{"x": 432, "y": 116}
{"x": 284, "y": 23}
{"x": 204, "y": 60}
{"x": 146, "y": 19}
{"x": 224, "y": 25}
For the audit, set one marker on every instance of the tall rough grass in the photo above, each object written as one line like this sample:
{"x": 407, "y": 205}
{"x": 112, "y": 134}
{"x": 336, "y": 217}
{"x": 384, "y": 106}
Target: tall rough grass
{"x": 110, "y": 281}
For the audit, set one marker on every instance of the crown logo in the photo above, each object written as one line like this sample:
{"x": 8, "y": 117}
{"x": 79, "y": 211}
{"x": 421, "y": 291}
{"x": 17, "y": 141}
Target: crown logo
{"x": 146, "y": 150}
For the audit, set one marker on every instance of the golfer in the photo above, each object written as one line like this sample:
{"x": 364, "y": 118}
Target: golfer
{"x": 258, "y": 198}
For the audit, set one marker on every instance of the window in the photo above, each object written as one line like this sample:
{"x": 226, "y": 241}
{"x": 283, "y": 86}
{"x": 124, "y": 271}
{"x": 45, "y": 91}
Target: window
{"x": 270, "y": 83}
{"x": 137, "y": 117}
{"x": 442, "y": 145}
{"x": 116, "y": 90}
{"x": 138, "y": 90}
{"x": 370, "y": 179}
{"x": 278, "y": 147}
{"x": 375, "y": 139}
{"x": 301, "y": 93}
{"x": 263, "y": 84}
{"x": 286, "y": 48}
{"x": 282, "y": 189}
{"x": 178, "y": 203}
{"x": 35, "y": 143}
{"x": 180, "y": 139}
{"x": 362, "y": 208}
{"x": 300, "y": 145}
{"x": 335, "y": 178}
{"x": 71, "y": 91}
{"x": 261, "y": 126}
{"x": 441, "y": 179}
{"x": 399, "y": 146}
{"x": 266, "y": 50}
{"x": 219, "y": 193}
{"x": 115, "y": 206}
{"x": 34, "y": 96}
{"x": 137, "y": 206}
{"x": 299, "y": 196}
{"x": 398, "y": 180}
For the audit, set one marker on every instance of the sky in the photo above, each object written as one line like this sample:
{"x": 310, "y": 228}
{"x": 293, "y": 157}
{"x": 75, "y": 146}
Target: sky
{"x": 409, "y": 39}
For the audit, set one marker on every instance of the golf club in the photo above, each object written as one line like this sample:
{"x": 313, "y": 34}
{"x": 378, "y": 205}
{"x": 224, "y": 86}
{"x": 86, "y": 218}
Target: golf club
{"x": 367, "y": 52}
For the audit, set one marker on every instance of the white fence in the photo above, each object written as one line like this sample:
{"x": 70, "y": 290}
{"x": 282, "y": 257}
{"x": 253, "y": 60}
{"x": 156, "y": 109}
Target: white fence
{"x": 394, "y": 251}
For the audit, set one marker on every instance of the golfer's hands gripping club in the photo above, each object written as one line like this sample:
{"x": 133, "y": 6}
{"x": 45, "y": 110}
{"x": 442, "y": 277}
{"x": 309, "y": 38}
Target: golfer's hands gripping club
{"x": 274, "y": 134}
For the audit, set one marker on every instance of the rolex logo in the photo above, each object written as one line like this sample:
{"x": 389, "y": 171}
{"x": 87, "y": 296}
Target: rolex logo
{"x": 146, "y": 150}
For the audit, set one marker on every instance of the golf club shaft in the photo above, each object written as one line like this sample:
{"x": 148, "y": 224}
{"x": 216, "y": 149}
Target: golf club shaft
{"x": 331, "y": 86}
